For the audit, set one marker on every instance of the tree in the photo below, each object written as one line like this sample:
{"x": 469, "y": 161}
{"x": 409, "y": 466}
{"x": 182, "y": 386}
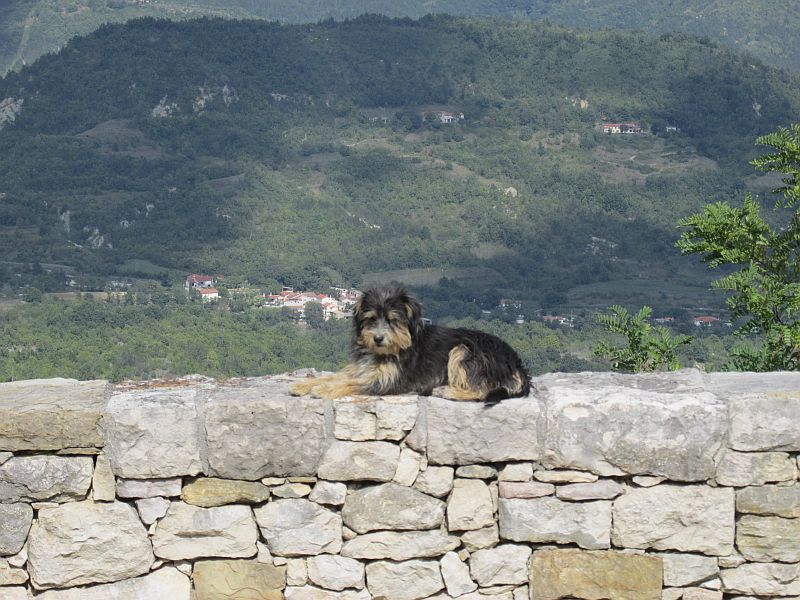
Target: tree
{"x": 315, "y": 315}
{"x": 765, "y": 290}
{"x": 648, "y": 349}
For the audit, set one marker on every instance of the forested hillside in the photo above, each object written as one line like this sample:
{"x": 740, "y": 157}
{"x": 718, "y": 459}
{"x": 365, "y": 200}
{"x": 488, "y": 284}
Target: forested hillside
{"x": 316, "y": 154}
{"x": 766, "y": 28}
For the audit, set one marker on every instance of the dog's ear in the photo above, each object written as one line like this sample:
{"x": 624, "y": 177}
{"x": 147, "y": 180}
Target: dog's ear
{"x": 358, "y": 309}
{"x": 413, "y": 311}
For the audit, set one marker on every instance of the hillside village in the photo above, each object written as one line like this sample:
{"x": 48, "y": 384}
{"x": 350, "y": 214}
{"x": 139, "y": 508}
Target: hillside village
{"x": 333, "y": 307}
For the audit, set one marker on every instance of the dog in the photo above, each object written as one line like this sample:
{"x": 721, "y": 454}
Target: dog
{"x": 395, "y": 352}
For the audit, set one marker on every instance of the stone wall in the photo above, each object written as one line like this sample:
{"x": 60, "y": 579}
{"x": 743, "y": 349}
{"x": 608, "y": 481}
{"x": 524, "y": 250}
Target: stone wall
{"x": 641, "y": 487}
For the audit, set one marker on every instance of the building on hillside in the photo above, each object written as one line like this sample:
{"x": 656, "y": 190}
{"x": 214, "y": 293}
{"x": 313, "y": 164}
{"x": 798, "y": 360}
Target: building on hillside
{"x": 556, "y": 319}
{"x": 332, "y": 308}
{"x": 704, "y": 321}
{"x": 509, "y": 303}
{"x": 448, "y": 117}
{"x": 630, "y": 127}
{"x": 209, "y": 294}
{"x": 197, "y": 282}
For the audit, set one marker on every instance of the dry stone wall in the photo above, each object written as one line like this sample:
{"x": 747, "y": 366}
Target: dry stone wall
{"x": 638, "y": 487}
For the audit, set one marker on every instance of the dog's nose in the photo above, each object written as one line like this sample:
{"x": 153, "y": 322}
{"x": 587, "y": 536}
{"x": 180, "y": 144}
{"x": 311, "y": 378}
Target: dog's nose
{"x": 378, "y": 339}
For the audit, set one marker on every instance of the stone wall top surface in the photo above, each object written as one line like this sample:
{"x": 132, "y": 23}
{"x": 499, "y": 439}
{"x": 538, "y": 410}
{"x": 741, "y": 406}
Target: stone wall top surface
{"x": 671, "y": 425}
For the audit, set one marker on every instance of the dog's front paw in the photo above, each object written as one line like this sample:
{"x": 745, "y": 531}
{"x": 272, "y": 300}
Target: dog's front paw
{"x": 443, "y": 391}
{"x": 302, "y": 388}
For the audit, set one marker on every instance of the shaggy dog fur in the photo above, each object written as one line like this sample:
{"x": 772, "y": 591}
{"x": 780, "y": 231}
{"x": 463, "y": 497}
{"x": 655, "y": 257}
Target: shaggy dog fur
{"x": 394, "y": 352}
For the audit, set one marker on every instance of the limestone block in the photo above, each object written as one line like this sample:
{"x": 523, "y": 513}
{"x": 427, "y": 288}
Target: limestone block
{"x": 212, "y": 491}
{"x": 188, "y": 532}
{"x": 153, "y": 433}
{"x": 353, "y": 461}
{"x": 299, "y": 527}
{"x": 166, "y": 582}
{"x": 525, "y": 489}
{"x": 238, "y": 580}
{"x": 587, "y": 524}
{"x": 590, "y": 575}
{"x": 769, "y": 500}
{"x": 465, "y": 433}
{"x": 682, "y": 570}
{"x": 692, "y": 518}
{"x": 741, "y": 469}
{"x": 50, "y": 414}
{"x": 456, "y": 575}
{"x": 435, "y": 481}
{"x": 638, "y": 425}
{"x": 605, "y": 489}
{"x": 328, "y": 492}
{"x": 149, "y": 488}
{"x": 45, "y": 477}
{"x": 82, "y": 542}
{"x": 502, "y": 565}
{"x": 564, "y": 476}
{"x": 407, "y": 467}
{"x": 309, "y": 592}
{"x": 647, "y": 480}
{"x": 10, "y": 575}
{"x": 19, "y": 559}
{"x": 335, "y": 572}
{"x": 14, "y": 593}
{"x": 407, "y": 580}
{"x": 396, "y": 545}
{"x": 768, "y": 539}
{"x": 15, "y": 522}
{"x": 291, "y": 490}
{"x": 470, "y": 506}
{"x": 396, "y": 416}
{"x": 517, "y": 472}
{"x": 391, "y": 506}
{"x": 521, "y": 593}
{"x": 488, "y": 537}
{"x": 762, "y": 579}
{"x": 476, "y": 472}
{"x": 389, "y": 418}
{"x": 764, "y": 409}
{"x": 256, "y": 429}
{"x": 731, "y": 561}
{"x": 104, "y": 485}
{"x": 354, "y": 419}
{"x": 701, "y": 594}
{"x": 152, "y": 509}
{"x": 296, "y": 571}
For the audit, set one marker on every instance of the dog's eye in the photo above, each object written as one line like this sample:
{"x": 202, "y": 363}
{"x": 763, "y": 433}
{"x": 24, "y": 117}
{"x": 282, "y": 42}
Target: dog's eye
{"x": 394, "y": 317}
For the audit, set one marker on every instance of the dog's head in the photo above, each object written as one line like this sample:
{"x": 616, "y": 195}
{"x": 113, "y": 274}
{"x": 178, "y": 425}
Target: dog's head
{"x": 386, "y": 320}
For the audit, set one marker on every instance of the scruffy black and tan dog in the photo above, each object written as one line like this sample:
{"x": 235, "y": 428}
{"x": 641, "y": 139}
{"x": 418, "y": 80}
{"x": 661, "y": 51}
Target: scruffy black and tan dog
{"x": 394, "y": 352}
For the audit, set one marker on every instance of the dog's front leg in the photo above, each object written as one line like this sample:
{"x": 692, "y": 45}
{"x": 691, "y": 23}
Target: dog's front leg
{"x": 343, "y": 383}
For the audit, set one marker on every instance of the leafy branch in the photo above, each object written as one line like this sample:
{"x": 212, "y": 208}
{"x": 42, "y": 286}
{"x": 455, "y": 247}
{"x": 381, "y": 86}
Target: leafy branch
{"x": 648, "y": 348}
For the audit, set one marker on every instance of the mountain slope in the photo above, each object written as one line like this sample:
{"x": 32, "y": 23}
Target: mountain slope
{"x": 299, "y": 153}
{"x": 766, "y": 28}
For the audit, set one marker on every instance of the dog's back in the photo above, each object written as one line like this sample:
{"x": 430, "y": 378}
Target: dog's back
{"x": 478, "y": 364}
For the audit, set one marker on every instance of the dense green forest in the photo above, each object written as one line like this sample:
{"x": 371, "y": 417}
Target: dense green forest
{"x": 88, "y": 339}
{"x": 765, "y": 28}
{"x": 319, "y": 159}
